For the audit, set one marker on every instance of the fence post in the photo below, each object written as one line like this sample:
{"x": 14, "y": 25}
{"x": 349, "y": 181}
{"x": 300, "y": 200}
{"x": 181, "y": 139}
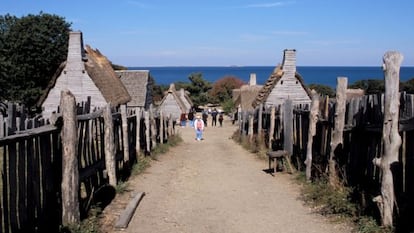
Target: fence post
{"x": 337, "y": 133}
{"x": 272, "y": 126}
{"x": 288, "y": 126}
{"x": 70, "y": 170}
{"x": 1, "y": 125}
{"x": 390, "y": 137}
{"x": 153, "y": 129}
{"x": 161, "y": 127}
{"x": 147, "y": 131}
{"x": 260, "y": 121}
{"x": 138, "y": 138}
{"x": 125, "y": 132}
{"x": 313, "y": 119}
{"x": 109, "y": 146}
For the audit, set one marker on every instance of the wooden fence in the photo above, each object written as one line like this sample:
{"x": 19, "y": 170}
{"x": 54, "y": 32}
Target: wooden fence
{"x": 38, "y": 194}
{"x": 362, "y": 143}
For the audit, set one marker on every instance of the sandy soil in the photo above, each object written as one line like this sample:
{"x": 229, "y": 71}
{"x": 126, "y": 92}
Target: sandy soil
{"x": 215, "y": 186}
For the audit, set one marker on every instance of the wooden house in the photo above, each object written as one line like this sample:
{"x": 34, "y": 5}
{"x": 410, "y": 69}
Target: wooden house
{"x": 246, "y": 94}
{"x": 284, "y": 83}
{"x": 87, "y": 74}
{"x": 172, "y": 104}
{"x": 139, "y": 86}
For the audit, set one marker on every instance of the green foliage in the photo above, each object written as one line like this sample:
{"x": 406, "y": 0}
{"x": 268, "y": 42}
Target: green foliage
{"x": 322, "y": 90}
{"x": 198, "y": 89}
{"x": 32, "y": 48}
{"x": 408, "y": 86}
{"x": 228, "y": 105}
{"x": 328, "y": 200}
{"x": 370, "y": 86}
{"x": 222, "y": 89}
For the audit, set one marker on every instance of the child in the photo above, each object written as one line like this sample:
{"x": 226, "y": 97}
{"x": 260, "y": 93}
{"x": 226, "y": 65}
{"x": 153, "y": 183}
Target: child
{"x": 221, "y": 119}
{"x": 199, "y": 127}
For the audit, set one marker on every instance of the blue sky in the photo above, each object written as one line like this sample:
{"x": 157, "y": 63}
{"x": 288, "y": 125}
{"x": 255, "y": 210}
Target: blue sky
{"x": 230, "y": 32}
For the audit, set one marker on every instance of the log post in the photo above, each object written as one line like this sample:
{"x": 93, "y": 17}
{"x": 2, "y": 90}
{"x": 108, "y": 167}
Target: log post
{"x": 272, "y": 126}
{"x": 313, "y": 119}
{"x": 250, "y": 131}
{"x": 337, "y": 133}
{"x": 109, "y": 145}
{"x": 147, "y": 131}
{"x": 125, "y": 138}
{"x": 70, "y": 169}
{"x": 260, "y": 122}
{"x": 390, "y": 137}
{"x": 153, "y": 129}
{"x": 288, "y": 126}
{"x": 138, "y": 137}
{"x": 161, "y": 128}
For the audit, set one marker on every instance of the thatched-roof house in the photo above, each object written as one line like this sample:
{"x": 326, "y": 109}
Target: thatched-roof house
{"x": 86, "y": 73}
{"x": 246, "y": 94}
{"x": 172, "y": 104}
{"x": 284, "y": 83}
{"x": 185, "y": 98}
{"x": 139, "y": 85}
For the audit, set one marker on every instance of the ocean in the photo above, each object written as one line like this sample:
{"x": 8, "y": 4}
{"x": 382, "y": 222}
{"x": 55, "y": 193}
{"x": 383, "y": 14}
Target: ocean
{"x": 325, "y": 75}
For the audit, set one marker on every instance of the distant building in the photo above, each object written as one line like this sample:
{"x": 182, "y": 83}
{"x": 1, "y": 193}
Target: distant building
{"x": 246, "y": 94}
{"x": 139, "y": 85}
{"x": 284, "y": 83}
{"x": 172, "y": 104}
{"x": 86, "y": 73}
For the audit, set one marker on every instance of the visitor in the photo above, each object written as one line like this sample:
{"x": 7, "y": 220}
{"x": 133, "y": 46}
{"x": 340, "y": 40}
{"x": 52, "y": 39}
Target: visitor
{"x": 199, "y": 128}
{"x": 214, "y": 117}
{"x": 221, "y": 118}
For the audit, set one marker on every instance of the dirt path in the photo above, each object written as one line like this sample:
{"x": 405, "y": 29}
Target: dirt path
{"x": 216, "y": 186}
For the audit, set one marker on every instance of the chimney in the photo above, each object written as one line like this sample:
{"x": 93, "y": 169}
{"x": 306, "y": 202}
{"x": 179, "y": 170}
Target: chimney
{"x": 252, "y": 81}
{"x": 76, "y": 52}
{"x": 182, "y": 92}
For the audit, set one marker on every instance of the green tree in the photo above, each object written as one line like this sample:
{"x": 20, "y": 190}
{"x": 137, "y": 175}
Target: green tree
{"x": 323, "y": 89}
{"x": 32, "y": 48}
{"x": 198, "y": 89}
{"x": 222, "y": 89}
{"x": 370, "y": 86}
{"x": 407, "y": 86}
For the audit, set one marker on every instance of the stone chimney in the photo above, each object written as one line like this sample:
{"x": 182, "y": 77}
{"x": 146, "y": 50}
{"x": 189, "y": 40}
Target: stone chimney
{"x": 182, "y": 92}
{"x": 252, "y": 81}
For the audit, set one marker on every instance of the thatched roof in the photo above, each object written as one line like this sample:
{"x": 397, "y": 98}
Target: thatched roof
{"x": 138, "y": 83}
{"x": 273, "y": 79}
{"x": 246, "y": 95}
{"x": 99, "y": 69}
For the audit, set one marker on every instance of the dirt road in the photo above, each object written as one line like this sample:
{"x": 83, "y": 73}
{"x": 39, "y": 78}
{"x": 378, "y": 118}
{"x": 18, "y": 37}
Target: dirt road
{"x": 215, "y": 186}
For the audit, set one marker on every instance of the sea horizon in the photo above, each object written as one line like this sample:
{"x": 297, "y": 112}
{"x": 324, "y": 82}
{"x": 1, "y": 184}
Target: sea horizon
{"x": 323, "y": 75}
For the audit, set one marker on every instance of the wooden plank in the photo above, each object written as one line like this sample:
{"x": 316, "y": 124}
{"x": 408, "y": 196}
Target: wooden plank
{"x": 129, "y": 211}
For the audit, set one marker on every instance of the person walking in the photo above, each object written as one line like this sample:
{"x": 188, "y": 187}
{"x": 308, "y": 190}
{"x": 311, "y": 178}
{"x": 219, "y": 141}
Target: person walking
{"x": 214, "y": 117}
{"x": 199, "y": 128}
{"x": 221, "y": 118}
